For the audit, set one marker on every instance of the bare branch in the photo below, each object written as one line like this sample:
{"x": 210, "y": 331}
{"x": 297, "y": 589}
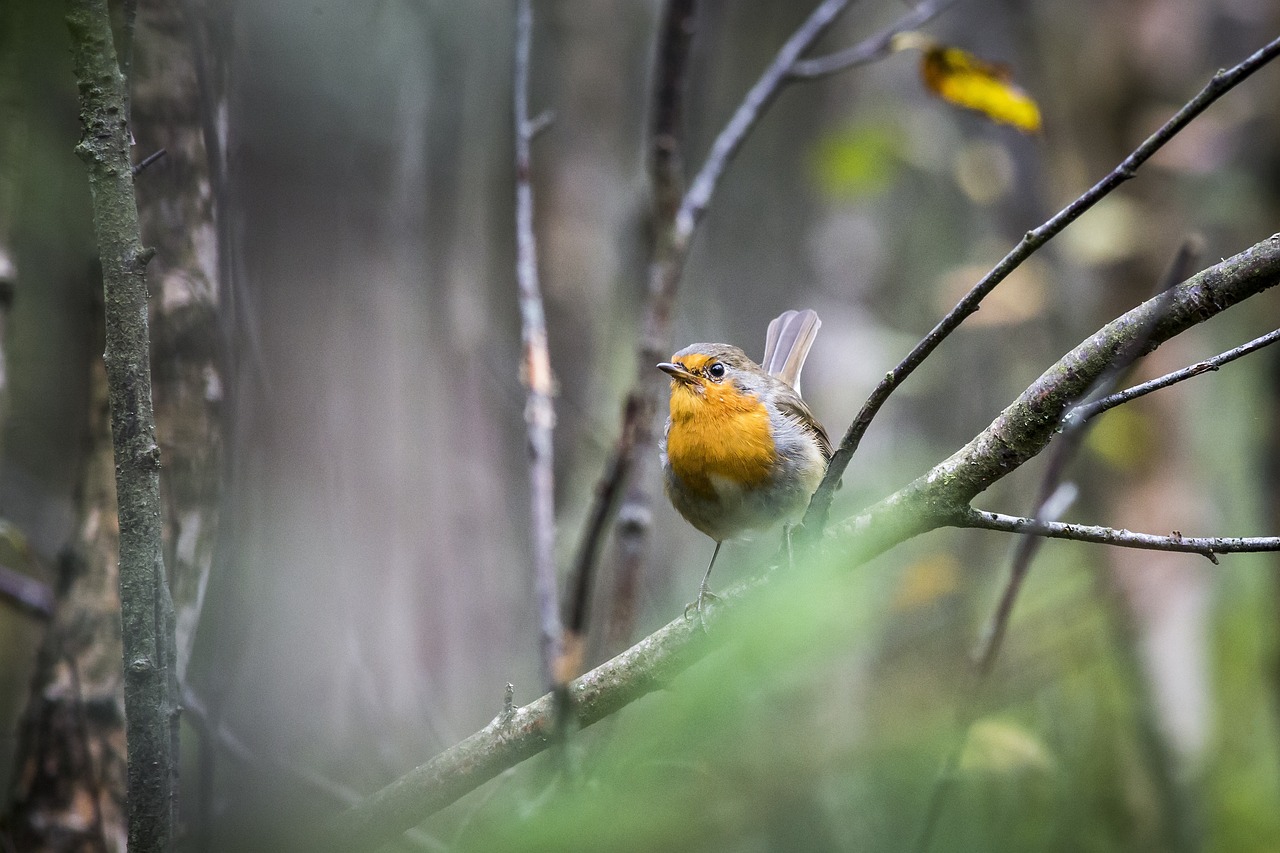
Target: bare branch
{"x": 816, "y": 516}
{"x": 539, "y": 413}
{"x": 1208, "y": 547}
{"x": 149, "y": 160}
{"x": 870, "y": 49}
{"x": 666, "y": 133}
{"x": 520, "y": 733}
{"x": 1091, "y": 410}
{"x": 666, "y": 175}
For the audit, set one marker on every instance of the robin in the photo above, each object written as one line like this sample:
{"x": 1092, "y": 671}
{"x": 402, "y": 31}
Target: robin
{"x": 741, "y": 451}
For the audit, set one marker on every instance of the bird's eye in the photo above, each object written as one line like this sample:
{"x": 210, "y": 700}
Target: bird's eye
{"x": 716, "y": 370}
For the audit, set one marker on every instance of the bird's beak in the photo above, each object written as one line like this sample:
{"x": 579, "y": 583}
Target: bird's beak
{"x": 678, "y": 373}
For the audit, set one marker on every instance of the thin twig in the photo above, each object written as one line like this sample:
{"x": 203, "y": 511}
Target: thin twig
{"x": 1047, "y": 512}
{"x": 869, "y": 49}
{"x": 1091, "y": 410}
{"x": 539, "y": 410}
{"x": 1049, "y": 507}
{"x": 819, "y": 508}
{"x": 148, "y": 160}
{"x": 1208, "y": 547}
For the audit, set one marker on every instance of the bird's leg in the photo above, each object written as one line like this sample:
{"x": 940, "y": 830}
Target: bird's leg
{"x": 705, "y": 594}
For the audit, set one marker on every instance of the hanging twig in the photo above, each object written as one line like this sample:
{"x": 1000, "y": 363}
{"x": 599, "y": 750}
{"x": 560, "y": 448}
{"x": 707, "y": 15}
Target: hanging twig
{"x": 816, "y": 517}
{"x": 150, "y": 674}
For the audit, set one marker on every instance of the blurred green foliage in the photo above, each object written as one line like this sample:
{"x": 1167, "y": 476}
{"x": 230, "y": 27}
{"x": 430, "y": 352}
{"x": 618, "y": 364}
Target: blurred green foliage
{"x": 858, "y": 160}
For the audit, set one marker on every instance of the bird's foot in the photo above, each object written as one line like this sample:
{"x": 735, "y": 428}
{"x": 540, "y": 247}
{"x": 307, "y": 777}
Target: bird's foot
{"x": 700, "y": 605}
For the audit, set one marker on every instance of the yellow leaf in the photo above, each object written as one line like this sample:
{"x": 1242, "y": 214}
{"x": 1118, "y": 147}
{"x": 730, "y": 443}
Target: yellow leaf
{"x": 963, "y": 79}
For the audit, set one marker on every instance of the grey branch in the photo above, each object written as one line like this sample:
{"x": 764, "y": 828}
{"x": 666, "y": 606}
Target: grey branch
{"x": 748, "y": 114}
{"x": 1208, "y": 547}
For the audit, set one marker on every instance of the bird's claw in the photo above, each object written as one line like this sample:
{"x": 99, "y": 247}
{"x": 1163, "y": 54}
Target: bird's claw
{"x": 699, "y": 604}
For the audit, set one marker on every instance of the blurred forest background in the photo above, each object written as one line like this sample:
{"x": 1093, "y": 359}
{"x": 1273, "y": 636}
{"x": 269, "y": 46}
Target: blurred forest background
{"x": 336, "y": 350}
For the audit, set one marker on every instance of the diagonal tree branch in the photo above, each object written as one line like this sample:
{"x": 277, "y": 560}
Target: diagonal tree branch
{"x": 937, "y": 499}
{"x": 941, "y": 497}
{"x": 1054, "y": 496}
{"x": 1054, "y": 490}
{"x": 816, "y": 516}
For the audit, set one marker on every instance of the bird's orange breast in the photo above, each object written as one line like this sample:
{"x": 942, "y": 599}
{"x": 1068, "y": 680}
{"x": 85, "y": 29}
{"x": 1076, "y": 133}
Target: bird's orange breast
{"x": 719, "y": 432}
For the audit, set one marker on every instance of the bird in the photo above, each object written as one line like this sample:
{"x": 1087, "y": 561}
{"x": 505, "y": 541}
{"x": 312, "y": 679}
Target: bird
{"x": 741, "y": 451}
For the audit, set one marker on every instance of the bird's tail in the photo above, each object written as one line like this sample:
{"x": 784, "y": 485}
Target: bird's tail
{"x": 787, "y": 344}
